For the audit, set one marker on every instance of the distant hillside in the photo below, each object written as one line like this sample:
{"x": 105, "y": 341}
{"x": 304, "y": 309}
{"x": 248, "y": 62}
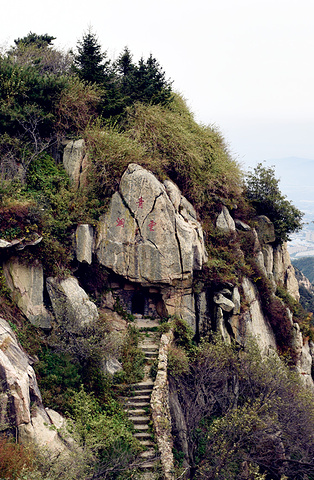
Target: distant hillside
{"x": 306, "y": 265}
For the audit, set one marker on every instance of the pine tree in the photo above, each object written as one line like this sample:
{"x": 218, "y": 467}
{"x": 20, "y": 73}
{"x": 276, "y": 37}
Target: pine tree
{"x": 90, "y": 62}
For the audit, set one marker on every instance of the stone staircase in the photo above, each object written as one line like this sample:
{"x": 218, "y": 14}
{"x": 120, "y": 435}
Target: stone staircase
{"x": 137, "y": 404}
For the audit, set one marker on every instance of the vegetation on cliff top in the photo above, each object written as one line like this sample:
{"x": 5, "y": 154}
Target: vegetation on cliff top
{"x": 127, "y": 112}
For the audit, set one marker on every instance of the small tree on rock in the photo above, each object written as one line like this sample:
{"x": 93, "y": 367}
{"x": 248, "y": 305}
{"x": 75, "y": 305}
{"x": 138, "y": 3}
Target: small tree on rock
{"x": 262, "y": 191}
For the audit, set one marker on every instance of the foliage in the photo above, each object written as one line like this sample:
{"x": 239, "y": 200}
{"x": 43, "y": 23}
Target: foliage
{"x": 275, "y": 311}
{"x": 58, "y": 376}
{"x": 77, "y": 106}
{"x": 194, "y": 156}
{"x": 300, "y": 315}
{"x": 90, "y": 62}
{"x": 245, "y": 411}
{"x": 178, "y": 361}
{"x": 306, "y": 265}
{"x": 262, "y": 190}
{"x": 15, "y": 458}
{"x": 132, "y": 358}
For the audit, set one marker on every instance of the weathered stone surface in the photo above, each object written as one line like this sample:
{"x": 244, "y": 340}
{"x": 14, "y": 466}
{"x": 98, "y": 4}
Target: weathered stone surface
{"x": 17, "y": 374}
{"x": 84, "y": 238}
{"x": 26, "y": 283}
{"x": 224, "y": 221}
{"x": 204, "y": 321}
{"x": 70, "y": 302}
{"x": 42, "y": 431}
{"x": 161, "y": 410}
{"x": 242, "y": 226}
{"x": 304, "y": 358}
{"x": 236, "y": 299}
{"x": 256, "y": 324}
{"x": 111, "y": 365}
{"x": 265, "y": 230}
{"x": 283, "y": 270}
{"x": 73, "y": 156}
{"x": 225, "y": 303}
{"x": 144, "y": 237}
{"x": 21, "y": 243}
{"x": 268, "y": 254}
{"x": 180, "y": 301}
{"x": 22, "y": 396}
{"x": 221, "y": 325}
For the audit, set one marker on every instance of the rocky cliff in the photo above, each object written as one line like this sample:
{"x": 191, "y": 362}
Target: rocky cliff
{"x": 152, "y": 246}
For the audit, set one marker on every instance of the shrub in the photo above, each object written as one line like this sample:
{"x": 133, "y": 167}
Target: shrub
{"x": 178, "y": 361}
{"x": 262, "y": 190}
{"x": 132, "y": 358}
{"x": 14, "y": 458}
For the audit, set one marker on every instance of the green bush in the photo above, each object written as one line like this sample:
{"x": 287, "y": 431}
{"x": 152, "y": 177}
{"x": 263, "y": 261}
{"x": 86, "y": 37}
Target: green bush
{"x": 178, "y": 361}
{"x": 262, "y": 190}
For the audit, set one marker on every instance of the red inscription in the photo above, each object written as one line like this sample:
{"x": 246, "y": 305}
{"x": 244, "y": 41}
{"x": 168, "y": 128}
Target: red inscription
{"x": 120, "y": 222}
{"x": 151, "y": 225}
{"x": 140, "y": 202}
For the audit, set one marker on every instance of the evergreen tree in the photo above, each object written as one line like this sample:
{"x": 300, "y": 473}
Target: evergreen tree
{"x": 32, "y": 39}
{"x": 90, "y": 62}
{"x": 150, "y": 84}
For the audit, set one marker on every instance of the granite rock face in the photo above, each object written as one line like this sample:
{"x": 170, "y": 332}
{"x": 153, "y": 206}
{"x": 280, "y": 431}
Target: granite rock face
{"x": 26, "y": 283}
{"x": 74, "y": 160}
{"x": 70, "y": 302}
{"x": 150, "y": 236}
{"x": 84, "y": 240}
{"x": 21, "y": 404}
{"x": 225, "y": 222}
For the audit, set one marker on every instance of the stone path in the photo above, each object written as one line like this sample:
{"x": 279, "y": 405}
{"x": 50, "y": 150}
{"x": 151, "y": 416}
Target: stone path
{"x": 137, "y": 405}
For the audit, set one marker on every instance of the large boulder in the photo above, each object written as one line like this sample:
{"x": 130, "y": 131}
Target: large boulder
{"x": 74, "y": 160}
{"x": 253, "y": 323}
{"x": 284, "y": 272}
{"x": 265, "y": 229}
{"x": 70, "y": 302}
{"x": 21, "y": 404}
{"x": 225, "y": 222}
{"x": 84, "y": 239}
{"x": 148, "y": 235}
{"x": 26, "y": 283}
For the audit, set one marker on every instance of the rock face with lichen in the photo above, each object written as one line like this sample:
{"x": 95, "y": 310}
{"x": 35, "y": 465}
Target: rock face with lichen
{"x": 21, "y": 405}
{"x": 150, "y": 234}
{"x": 26, "y": 283}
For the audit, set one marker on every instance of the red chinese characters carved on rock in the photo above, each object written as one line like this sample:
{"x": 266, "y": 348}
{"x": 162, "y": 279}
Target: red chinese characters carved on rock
{"x": 151, "y": 225}
{"x": 120, "y": 222}
{"x": 140, "y": 202}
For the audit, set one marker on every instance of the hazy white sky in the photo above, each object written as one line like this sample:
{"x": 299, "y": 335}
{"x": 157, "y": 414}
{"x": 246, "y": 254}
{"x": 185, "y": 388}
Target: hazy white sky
{"x": 245, "y": 65}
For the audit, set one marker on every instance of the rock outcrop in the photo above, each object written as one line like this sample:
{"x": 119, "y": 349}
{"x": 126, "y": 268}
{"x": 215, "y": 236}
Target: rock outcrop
{"x": 26, "y": 283}
{"x": 149, "y": 236}
{"x": 70, "y": 302}
{"x": 21, "y": 404}
{"x": 75, "y": 161}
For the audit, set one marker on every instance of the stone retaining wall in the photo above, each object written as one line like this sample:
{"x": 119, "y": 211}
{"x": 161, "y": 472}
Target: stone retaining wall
{"x": 161, "y": 411}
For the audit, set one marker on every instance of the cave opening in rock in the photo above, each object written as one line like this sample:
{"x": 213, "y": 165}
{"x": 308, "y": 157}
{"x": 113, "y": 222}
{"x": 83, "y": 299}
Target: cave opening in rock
{"x": 138, "y": 303}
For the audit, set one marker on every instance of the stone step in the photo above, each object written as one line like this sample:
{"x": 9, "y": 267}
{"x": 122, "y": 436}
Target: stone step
{"x": 128, "y": 405}
{"x": 143, "y": 386}
{"x": 137, "y": 412}
{"x": 138, "y": 420}
{"x": 143, "y": 435}
{"x": 149, "y": 465}
{"x": 151, "y": 453}
{"x": 139, "y": 398}
{"x": 141, "y": 427}
{"x": 136, "y": 393}
{"x": 149, "y": 355}
{"x": 147, "y": 443}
